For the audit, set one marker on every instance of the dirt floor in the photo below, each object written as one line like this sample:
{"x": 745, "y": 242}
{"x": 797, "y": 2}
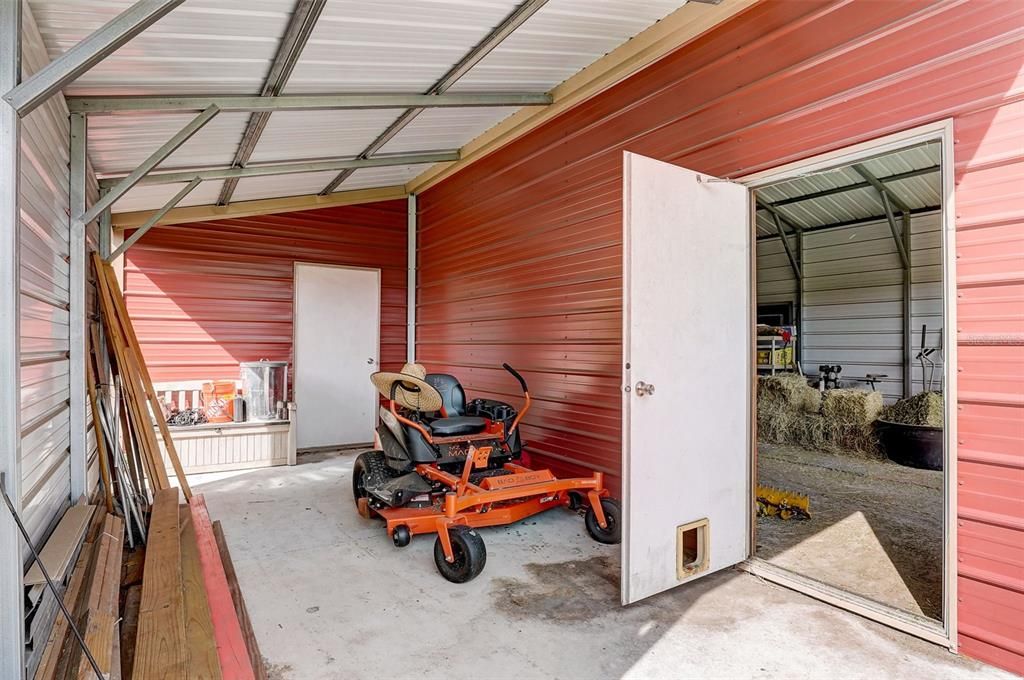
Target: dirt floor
{"x": 331, "y": 597}
{"x": 875, "y": 527}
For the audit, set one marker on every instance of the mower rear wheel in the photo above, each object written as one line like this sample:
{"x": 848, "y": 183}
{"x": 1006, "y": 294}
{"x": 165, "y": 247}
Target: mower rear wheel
{"x": 611, "y": 534}
{"x": 470, "y": 555}
{"x": 368, "y": 465}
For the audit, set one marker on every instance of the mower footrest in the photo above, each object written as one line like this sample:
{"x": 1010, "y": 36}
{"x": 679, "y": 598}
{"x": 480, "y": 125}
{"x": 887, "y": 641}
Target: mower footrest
{"x": 518, "y": 479}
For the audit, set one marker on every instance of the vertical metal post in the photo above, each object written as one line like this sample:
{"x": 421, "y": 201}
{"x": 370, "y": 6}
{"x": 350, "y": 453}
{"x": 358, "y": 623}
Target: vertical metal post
{"x": 77, "y": 320}
{"x": 410, "y": 337}
{"x": 106, "y": 227}
{"x": 12, "y": 598}
{"x": 908, "y": 310}
{"x": 800, "y": 301}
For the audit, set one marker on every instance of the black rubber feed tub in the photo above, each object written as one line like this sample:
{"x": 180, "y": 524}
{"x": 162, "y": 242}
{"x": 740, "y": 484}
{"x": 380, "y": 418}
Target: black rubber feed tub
{"x": 919, "y": 446}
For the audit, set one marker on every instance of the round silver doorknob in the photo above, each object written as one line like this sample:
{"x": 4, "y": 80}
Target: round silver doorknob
{"x": 643, "y": 389}
{"x": 370, "y": 360}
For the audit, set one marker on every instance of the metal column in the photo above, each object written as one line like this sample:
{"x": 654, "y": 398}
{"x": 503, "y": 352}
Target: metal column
{"x": 908, "y": 310}
{"x": 410, "y": 313}
{"x": 12, "y": 613}
{"x": 77, "y": 320}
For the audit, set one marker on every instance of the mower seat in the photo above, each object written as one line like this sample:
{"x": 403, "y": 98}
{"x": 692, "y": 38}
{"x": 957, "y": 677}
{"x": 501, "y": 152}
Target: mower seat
{"x": 456, "y": 425}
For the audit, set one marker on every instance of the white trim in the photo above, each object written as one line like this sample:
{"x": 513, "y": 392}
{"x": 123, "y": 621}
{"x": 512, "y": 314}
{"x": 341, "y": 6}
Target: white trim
{"x": 941, "y": 131}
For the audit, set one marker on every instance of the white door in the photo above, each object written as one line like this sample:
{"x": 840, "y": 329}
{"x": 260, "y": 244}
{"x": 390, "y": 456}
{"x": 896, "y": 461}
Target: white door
{"x": 337, "y": 327}
{"x": 687, "y": 376}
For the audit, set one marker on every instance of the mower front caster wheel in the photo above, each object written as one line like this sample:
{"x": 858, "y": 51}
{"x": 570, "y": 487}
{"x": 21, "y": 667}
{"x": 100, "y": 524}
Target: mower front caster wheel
{"x": 401, "y": 536}
{"x": 469, "y": 551}
{"x": 612, "y": 533}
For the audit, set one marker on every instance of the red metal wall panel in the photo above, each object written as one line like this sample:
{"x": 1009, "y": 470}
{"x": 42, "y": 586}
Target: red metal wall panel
{"x": 519, "y": 256}
{"x": 206, "y": 296}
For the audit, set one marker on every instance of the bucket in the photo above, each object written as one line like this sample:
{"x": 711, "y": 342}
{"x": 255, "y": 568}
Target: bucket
{"x": 919, "y": 446}
{"x": 218, "y": 398}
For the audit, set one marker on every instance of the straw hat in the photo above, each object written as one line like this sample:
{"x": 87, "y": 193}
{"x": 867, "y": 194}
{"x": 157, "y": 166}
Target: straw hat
{"x": 413, "y": 391}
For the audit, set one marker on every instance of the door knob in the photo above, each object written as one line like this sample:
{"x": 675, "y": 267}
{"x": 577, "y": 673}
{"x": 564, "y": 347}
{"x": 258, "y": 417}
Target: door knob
{"x": 643, "y": 389}
{"x": 370, "y": 360}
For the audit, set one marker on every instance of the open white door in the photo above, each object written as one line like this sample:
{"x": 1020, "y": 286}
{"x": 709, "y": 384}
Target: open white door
{"x": 687, "y": 376}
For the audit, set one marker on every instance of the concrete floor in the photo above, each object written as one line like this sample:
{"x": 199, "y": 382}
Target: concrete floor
{"x": 330, "y": 597}
{"x": 875, "y": 527}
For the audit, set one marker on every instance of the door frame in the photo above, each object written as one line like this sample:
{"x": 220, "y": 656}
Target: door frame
{"x": 944, "y": 633}
{"x": 295, "y": 347}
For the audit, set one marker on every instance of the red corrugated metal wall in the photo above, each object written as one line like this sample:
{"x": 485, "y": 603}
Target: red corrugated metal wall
{"x": 520, "y": 253}
{"x": 206, "y": 296}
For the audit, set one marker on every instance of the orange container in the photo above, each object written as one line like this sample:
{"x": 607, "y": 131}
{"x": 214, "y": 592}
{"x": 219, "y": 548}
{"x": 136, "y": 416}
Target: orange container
{"x": 218, "y": 401}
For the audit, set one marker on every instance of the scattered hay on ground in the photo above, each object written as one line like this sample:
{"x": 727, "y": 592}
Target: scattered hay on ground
{"x": 924, "y": 408}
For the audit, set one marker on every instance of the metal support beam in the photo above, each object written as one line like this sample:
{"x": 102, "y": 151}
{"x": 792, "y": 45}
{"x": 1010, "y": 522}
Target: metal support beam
{"x": 12, "y": 595}
{"x": 122, "y": 187}
{"x": 410, "y": 282}
{"x": 299, "y": 29}
{"x": 77, "y": 263}
{"x": 298, "y": 168}
{"x": 857, "y": 185}
{"x": 106, "y": 230}
{"x": 908, "y": 311}
{"x": 800, "y": 302}
{"x": 785, "y": 245}
{"x": 152, "y": 221}
{"x": 858, "y": 221}
{"x": 880, "y": 188}
{"x": 300, "y": 102}
{"x": 904, "y": 257}
{"x": 471, "y": 59}
{"x": 86, "y": 54}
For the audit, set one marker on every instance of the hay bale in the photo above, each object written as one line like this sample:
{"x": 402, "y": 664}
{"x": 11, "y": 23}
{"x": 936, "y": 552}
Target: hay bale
{"x": 851, "y": 407}
{"x": 925, "y": 408}
{"x": 788, "y": 391}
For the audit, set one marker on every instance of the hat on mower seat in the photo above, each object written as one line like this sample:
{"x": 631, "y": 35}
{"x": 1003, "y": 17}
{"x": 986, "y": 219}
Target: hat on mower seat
{"x": 412, "y": 392}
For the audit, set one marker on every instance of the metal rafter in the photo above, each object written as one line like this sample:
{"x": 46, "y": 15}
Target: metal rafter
{"x": 779, "y": 221}
{"x": 153, "y": 220}
{"x": 880, "y": 187}
{"x": 138, "y": 174}
{"x": 852, "y": 187}
{"x": 294, "y": 168}
{"x": 86, "y": 54}
{"x": 303, "y": 20}
{"x": 855, "y": 222}
{"x": 299, "y": 102}
{"x": 513, "y": 21}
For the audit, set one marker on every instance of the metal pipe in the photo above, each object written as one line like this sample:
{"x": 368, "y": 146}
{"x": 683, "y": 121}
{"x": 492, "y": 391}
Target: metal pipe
{"x": 86, "y": 54}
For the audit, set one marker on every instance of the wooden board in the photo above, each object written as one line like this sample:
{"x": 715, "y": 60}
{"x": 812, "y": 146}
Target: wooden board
{"x": 234, "y": 657}
{"x": 160, "y": 643}
{"x": 61, "y": 546}
{"x": 203, "y": 662}
{"x": 104, "y": 600}
{"x": 129, "y": 628}
{"x": 251, "y": 644}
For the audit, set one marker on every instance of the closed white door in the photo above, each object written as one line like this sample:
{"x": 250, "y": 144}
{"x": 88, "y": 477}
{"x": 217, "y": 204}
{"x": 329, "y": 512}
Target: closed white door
{"x": 337, "y": 328}
{"x": 687, "y": 368}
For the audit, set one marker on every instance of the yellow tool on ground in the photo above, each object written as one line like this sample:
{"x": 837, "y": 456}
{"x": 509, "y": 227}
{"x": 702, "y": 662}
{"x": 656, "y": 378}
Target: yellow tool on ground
{"x": 772, "y": 502}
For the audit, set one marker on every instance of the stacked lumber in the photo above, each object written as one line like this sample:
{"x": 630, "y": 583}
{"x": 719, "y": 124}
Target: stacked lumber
{"x": 188, "y": 625}
{"x": 92, "y": 597}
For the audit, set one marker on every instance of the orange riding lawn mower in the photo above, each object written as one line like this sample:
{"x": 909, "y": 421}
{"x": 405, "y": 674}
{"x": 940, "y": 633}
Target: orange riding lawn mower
{"x": 447, "y": 466}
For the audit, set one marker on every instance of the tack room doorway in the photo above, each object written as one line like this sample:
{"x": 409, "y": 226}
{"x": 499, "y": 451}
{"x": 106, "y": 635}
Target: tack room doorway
{"x": 336, "y": 341}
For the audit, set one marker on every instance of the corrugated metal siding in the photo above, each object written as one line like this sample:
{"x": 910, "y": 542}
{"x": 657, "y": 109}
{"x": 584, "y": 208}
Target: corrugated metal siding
{"x": 45, "y": 298}
{"x": 520, "y": 253}
{"x": 853, "y": 298}
{"x": 204, "y": 297}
